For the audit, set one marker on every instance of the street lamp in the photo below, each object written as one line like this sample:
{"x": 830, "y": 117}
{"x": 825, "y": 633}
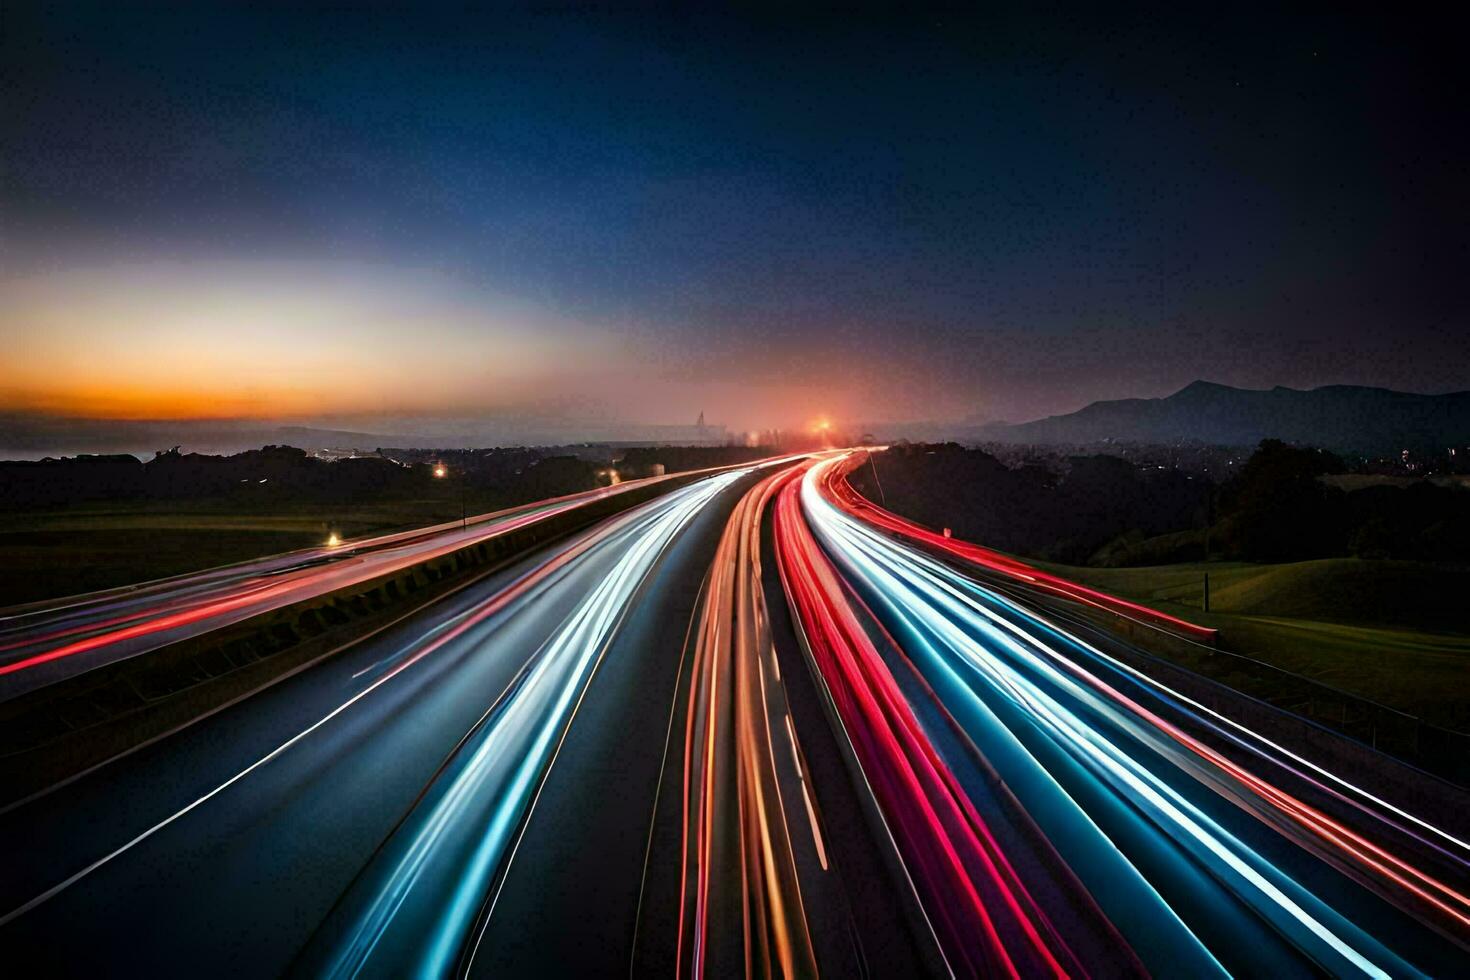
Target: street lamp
{"x": 440, "y": 472}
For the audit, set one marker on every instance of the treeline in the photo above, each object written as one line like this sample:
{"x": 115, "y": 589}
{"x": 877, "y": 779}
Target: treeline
{"x": 1033, "y": 510}
{"x": 1103, "y": 510}
{"x": 1279, "y": 509}
{"x": 507, "y": 476}
{"x": 278, "y": 474}
{"x": 487, "y": 478}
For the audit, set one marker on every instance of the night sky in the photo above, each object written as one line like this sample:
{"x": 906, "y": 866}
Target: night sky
{"x": 357, "y": 216}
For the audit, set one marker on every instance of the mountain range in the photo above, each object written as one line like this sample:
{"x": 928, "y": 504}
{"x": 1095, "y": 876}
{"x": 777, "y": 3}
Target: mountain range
{"x": 1346, "y": 418}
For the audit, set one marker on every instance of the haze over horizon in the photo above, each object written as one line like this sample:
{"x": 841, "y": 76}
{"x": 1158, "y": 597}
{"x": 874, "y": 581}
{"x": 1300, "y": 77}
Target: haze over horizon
{"x": 546, "y": 220}
{"x": 1355, "y": 417}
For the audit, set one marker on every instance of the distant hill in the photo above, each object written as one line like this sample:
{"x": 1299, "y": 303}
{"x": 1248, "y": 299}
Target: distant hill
{"x": 36, "y": 436}
{"x": 1340, "y": 417}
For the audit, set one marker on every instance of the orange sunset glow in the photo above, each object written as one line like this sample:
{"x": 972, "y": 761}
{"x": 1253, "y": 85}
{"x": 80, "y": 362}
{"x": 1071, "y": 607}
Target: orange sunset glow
{"x": 239, "y": 340}
{"x": 243, "y": 341}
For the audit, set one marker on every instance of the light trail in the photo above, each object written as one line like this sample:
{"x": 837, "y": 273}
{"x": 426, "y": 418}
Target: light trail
{"x": 735, "y": 815}
{"x": 986, "y": 919}
{"x": 839, "y": 492}
{"x": 74, "y": 635}
{"x": 655, "y": 518}
{"x": 854, "y": 503}
{"x": 519, "y": 591}
{"x": 414, "y": 908}
{"x": 1126, "y": 795}
{"x": 835, "y": 489}
{"x": 143, "y": 623}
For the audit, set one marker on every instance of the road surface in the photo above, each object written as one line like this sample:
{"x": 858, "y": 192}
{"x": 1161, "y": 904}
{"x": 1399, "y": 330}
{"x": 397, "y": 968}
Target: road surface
{"x": 756, "y": 725}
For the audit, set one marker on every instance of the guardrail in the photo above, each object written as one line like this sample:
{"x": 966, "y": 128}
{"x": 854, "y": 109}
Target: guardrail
{"x": 1430, "y": 765}
{"x": 1439, "y": 751}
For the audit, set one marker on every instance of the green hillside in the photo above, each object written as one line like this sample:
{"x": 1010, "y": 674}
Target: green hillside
{"x": 1390, "y": 631}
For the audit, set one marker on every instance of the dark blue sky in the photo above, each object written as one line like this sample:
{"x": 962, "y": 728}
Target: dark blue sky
{"x": 918, "y": 217}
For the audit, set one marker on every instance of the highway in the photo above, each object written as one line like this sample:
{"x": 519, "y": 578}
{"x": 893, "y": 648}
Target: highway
{"x": 47, "y": 642}
{"x": 1048, "y": 799}
{"x": 283, "y": 829}
{"x": 755, "y": 725}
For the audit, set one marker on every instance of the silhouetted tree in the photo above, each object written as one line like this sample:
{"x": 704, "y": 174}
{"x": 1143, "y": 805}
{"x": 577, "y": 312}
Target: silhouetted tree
{"x": 1276, "y": 509}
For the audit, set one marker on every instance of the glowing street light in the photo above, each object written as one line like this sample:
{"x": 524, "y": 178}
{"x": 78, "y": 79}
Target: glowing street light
{"x": 333, "y": 540}
{"x": 440, "y": 472}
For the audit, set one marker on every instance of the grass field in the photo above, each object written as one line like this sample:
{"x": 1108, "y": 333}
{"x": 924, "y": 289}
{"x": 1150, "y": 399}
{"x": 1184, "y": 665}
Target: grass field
{"x": 1393, "y": 632}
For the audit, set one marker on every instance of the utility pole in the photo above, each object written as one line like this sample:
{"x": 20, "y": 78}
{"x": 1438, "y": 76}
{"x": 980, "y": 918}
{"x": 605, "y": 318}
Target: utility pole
{"x": 1209, "y": 517}
{"x": 1207, "y": 591}
{"x": 881, "y": 495}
